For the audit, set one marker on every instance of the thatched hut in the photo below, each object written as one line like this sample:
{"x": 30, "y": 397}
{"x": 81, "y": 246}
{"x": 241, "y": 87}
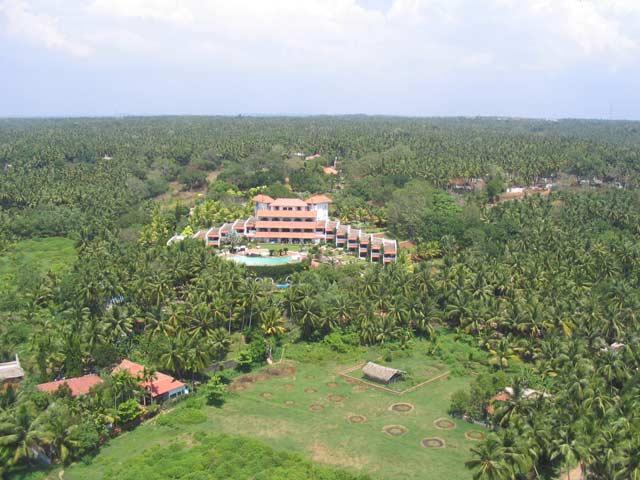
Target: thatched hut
{"x": 381, "y": 374}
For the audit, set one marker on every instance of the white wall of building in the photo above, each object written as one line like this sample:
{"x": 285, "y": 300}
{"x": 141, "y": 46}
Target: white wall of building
{"x": 322, "y": 211}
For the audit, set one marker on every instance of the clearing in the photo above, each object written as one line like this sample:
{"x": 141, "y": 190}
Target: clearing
{"x": 304, "y": 405}
{"x": 26, "y": 261}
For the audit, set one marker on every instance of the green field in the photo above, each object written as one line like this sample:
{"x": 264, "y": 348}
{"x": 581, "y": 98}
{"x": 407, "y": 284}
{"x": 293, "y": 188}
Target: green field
{"x": 25, "y": 262}
{"x": 278, "y": 410}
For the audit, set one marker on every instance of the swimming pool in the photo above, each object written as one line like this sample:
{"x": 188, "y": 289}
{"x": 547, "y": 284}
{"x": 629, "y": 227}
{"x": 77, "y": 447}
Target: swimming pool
{"x": 261, "y": 261}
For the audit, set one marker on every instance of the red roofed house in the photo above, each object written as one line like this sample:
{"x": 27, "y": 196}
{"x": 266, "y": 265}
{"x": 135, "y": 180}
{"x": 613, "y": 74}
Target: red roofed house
{"x": 162, "y": 387}
{"x": 78, "y": 385}
{"x": 292, "y": 220}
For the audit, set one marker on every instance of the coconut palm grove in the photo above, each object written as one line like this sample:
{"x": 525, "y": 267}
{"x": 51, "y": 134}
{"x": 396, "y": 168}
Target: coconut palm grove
{"x": 499, "y": 341}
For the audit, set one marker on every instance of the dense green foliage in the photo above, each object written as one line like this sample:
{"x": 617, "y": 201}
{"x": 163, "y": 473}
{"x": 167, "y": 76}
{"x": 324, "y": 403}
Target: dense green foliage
{"x": 546, "y": 283}
{"x": 211, "y": 457}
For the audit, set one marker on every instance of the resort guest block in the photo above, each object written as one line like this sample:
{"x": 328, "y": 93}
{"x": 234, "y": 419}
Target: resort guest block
{"x": 295, "y": 221}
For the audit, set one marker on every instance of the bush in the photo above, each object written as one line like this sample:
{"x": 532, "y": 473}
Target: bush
{"x": 279, "y": 272}
{"x": 129, "y": 411}
{"x": 258, "y": 349}
{"x": 460, "y": 401}
{"x": 335, "y": 341}
{"x": 193, "y": 179}
{"x": 215, "y": 391}
{"x": 85, "y": 438}
{"x": 245, "y": 360}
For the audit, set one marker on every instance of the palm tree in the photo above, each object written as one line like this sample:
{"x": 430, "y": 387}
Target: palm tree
{"x": 489, "y": 462}
{"x": 219, "y": 343}
{"x": 22, "y": 433}
{"x": 147, "y": 377}
{"x": 59, "y": 426}
{"x": 252, "y": 293}
{"x": 306, "y": 316}
{"x": 272, "y": 323}
{"x": 173, "y": 357}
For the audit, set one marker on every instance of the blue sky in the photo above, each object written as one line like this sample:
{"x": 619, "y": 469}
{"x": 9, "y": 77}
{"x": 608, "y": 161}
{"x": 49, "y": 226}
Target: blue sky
{"x": 530, "y": 58}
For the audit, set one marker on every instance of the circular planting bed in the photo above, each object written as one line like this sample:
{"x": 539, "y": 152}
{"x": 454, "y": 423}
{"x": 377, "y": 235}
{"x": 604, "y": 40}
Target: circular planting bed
{"x": 280, "y": 371}
{"x": 444, "y": 424}
{"x": 289, "y": 403}
{"x": 266, "y": 395}
{"x": 335, "y": 398}
{"x": 258, "y": 377}
{"x": 474, "y": 435}
{"x": 332, "y": 384}
{"x": 315, "y": 407}
{"x": 401, "y": 407}
{"x": 237, "y": 387}
{"x": 395, "y": 430}
{"x": 288, "y": 386}
{"x": 357, "y": 419}
{"x": 433, "y": 442}
{"x": 360, "y": 388}
{"x": 350, "y": 381}
{"x": 310, "y": 390}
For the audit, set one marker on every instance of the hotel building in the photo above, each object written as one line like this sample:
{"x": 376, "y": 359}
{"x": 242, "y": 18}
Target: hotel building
{"x": 295, "y": 221}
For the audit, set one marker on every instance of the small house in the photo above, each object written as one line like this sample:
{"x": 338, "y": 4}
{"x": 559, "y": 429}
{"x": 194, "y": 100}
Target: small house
{"x": 381, "y": 374}
{"x": 162, "y": 387}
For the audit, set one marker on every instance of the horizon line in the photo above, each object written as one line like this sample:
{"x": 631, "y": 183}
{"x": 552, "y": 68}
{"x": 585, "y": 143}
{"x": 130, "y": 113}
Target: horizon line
{"x": 312, "y": 115}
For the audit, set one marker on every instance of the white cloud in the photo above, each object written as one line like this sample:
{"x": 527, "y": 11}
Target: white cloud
{"x": 413, "y": 37}
{"x": 174, "y": 11}
{"x": 39, "y": 29}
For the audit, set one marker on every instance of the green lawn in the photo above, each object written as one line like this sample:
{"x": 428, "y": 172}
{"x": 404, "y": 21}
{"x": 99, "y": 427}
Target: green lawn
{"x": 263, "y": 411}
{"x": 24, "y": 263}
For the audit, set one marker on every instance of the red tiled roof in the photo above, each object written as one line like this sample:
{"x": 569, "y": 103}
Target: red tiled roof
{"x": 309, "y": 235}
{"x": 276, "y": 224}
{"x": 160, "y": 385}
{"x": 288, "y": 202}
{"x": 262, "y": 198}
{"x": 285, "y": 214}
{"x": 319, "y": 199}
{"x": 77, "y": 385}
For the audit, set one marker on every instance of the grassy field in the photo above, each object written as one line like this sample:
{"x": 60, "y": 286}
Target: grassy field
{"x": 26, "y": 261}
{"x": 307, "y": 408}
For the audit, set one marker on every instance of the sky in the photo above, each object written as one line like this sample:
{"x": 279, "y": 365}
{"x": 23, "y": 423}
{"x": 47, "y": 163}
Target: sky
{"x": 522, "y": 58}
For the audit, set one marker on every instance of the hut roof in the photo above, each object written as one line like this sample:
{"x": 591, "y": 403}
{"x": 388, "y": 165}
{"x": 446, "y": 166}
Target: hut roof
{"x": 380, "y": 372}
{"x": 77, "y": 385}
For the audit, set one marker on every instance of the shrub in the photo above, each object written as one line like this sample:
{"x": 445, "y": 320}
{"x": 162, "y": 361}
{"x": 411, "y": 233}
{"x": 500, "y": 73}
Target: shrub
{"x": 335, "y": 342}
{"x": 85, "y": 438}
{"x": 460, "y": 401}
{"x": 215, "y": 392}
{"x": 129, "y": 411}
{"x": 244, "y": 361}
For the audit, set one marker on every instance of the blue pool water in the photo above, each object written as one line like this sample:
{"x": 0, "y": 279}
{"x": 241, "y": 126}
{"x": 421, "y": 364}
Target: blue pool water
{"x": 260, "y": 261}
